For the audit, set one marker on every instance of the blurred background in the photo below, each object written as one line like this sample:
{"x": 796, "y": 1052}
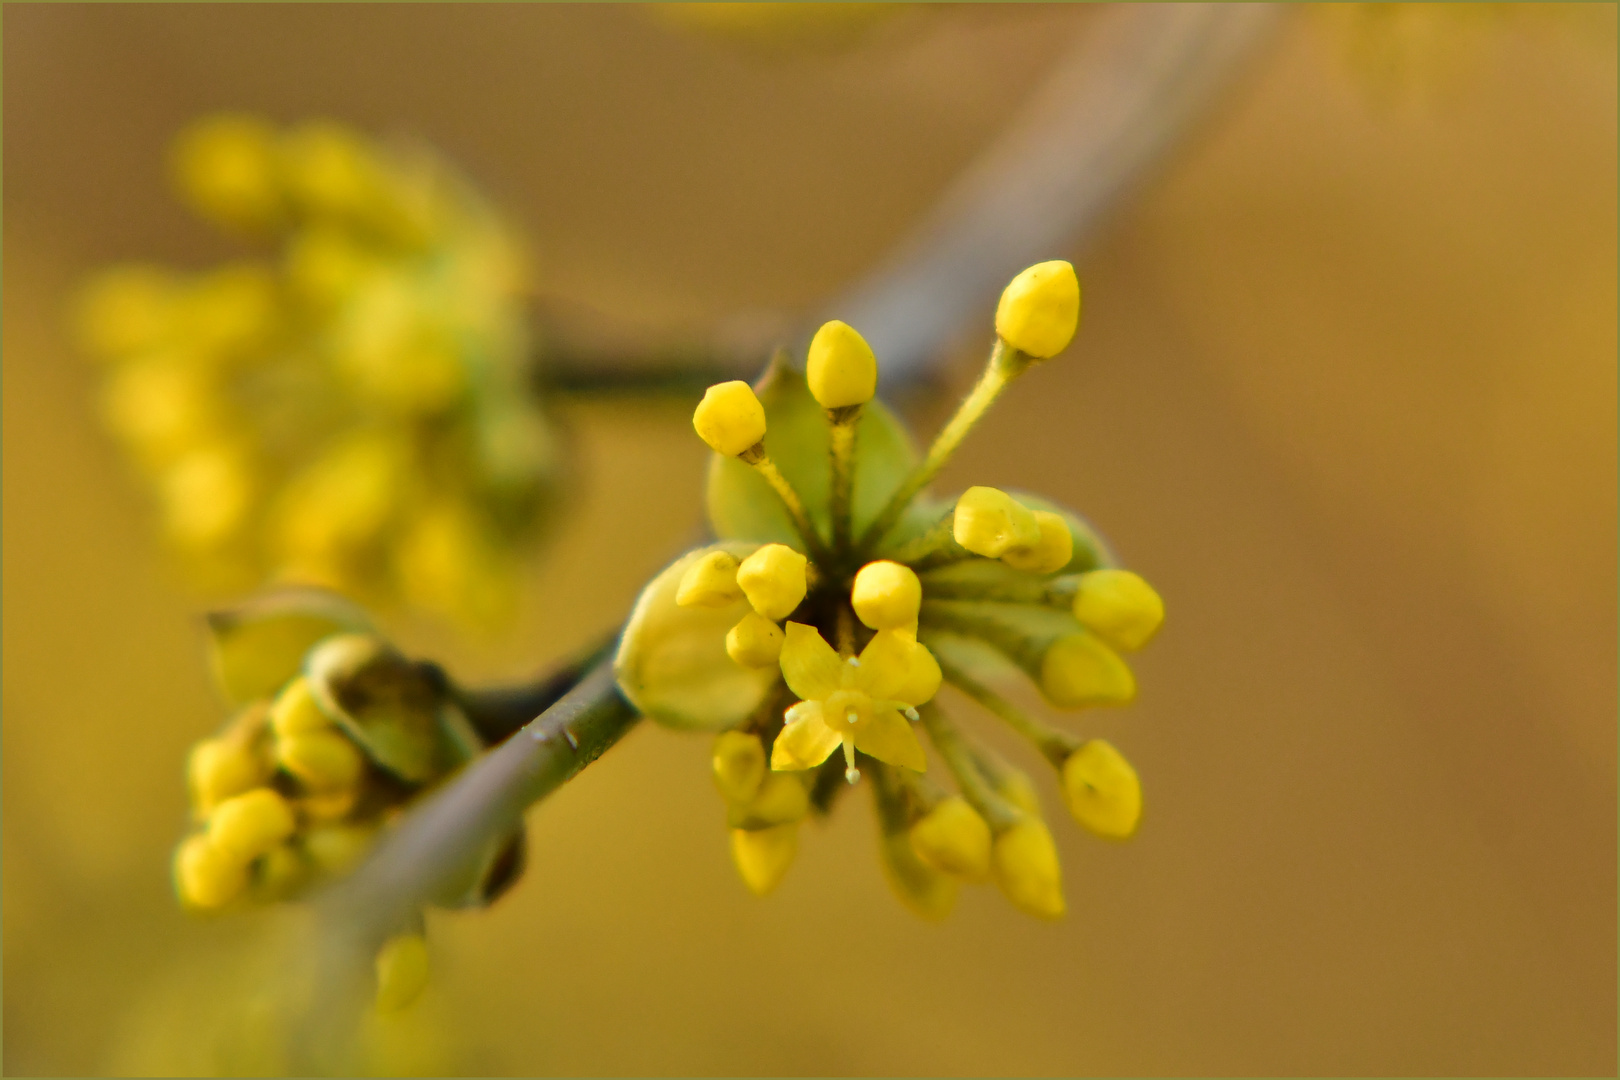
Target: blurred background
{"x": 1344, "y": 390}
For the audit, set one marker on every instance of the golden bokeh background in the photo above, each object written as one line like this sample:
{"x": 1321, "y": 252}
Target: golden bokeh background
{"x": 1345, "y": 391}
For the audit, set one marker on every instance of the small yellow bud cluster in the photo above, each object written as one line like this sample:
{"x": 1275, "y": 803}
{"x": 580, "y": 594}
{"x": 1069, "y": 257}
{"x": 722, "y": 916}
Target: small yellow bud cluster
{"x": 774, "y": 579}
{"x": 991, "y": 523}
{"x": 763, "y": 809}
{"x": 385, "y": 338}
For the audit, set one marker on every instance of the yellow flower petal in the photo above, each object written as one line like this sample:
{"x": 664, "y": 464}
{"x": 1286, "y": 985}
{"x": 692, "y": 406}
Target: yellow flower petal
{"x": 885, "y": 663}
{"x": 809, "y": 664}
{"x": 889, "y": 738}
{"x": 805, "y": 742}
{"x": 923, "y": 678}
{"x": 764, "y": 855}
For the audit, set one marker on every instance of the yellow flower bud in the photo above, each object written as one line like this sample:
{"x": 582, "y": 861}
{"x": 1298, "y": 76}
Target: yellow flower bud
{"x": 711, "y": 582}
{"x": 248, "y": 825}
{"x": 207, "y": 497}
{"x": 773, "y": 578}
{"x": 220, "y": 768}
{"x": 206, "y": 877}
{"x": 333, "y": 805}
{"x": 886, "y": 595}
{"x": 922, "y": 676}
{"x": 1119, "y": 607}
{"x": 925, "y": 890}
{"x": 295, "y": 712}
{"x": 781, "y": 799}
{"x": 402, "y": 971}
{"x": 1026, "y": 867}
{"x": 953, "y": 838}
{"x": 324, "y": 760}
{"x": 337, "y": 847}
{"x": 127, "y": 310}
{"x": 1102, "y": 790}
{"x": 739, "y": 765}
{"x": 1040, "y": 309}
{"x": 755, "y": 642}
{"x": 988, "y": 522}
{"x": 225, "y": 167}
{"x": 1078, "y": 669}
{"x": 278, "y": 873}
{"x": 841, "y": 369}
{"x": 764, "y": 855}
{"x": 1017, "y": 789}
{"x": 1050, "y": 553}
{"x": 730, "y": 418}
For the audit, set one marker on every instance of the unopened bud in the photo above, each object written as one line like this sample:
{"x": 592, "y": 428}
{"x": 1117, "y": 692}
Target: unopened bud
{"x": 781, "y": 799}
{"x": 248, "y": 825}
{"x": 710, "y": 582}
{"x": 730, "y": 418}
{"x": 206, "y": 877}
{"x": 886, "y": 595}
{"x": 1050, "y": 553}
{"x": 226, "y": 168}
{"x": 841, "y": 369}
{"x": 1040, "y": 309}
{"x": 922, "y": 888}
{"x": 953, "y": 838}
{"x": 1026, "y": 867}
{"x": 755, "y": 642}
{"x": 220, "y": 768}
{"x": 774, "y": 580}
{"x": 739, "y": 765}
{"x": 1078, "y": 669}
{"x": 1102, "y": 789}
{"x": 764, "y": 855}
{"x": 295, "y": 712}
{"x": 402, "y": 971}
{"x": 324, "y": 760}
{"x": 1119, "y": 607}
{"x": 988, "y": 522}
{"x": 338, "y": 846}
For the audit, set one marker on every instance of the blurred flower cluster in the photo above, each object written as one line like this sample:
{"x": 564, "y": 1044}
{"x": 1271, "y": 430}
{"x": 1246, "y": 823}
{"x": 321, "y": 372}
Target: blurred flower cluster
{"x": 334, "y": 733}
{"x": 816, "y": 633}
{"x": 354, "y": 408}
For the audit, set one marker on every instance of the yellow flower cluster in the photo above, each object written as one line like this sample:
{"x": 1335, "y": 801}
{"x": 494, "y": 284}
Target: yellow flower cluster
{"x": 335, "y": 732}
{"x": 839, "y": 598}
{"x": 352, "y": 409}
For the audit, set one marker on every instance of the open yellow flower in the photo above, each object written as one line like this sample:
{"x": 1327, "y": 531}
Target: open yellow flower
{"x": 852, "y": 702}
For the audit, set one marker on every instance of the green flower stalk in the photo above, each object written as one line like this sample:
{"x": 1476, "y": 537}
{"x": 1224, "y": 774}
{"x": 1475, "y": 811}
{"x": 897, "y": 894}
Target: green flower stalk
{"x": 352, "y": 409}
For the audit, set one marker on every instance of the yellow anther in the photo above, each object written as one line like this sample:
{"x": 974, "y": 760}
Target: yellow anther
{"x": 841, "y": 369}
{"x": 220, "y": 768}
{"x": 886, "y": 595}
{"x": 248, "y": 825}
{"x": 1050, "y": 553}
{"x": 295, "y": 712}
{"x": 952, "y": 837}
{"x": 764, "y": 855}
{"x": 1119, "y": 607}
{"x": 1080, "y": 670}
{"x": 773, "y": 578}
{"x": 988, "y": 522}
{"x": 324, "y": 760}
{"x": 730, "y": 418}
{"x": 402, "y": 971}
{"x": 1102, "y": 790}
{"x": 226, "y": 168}
{"x": 755, "y": 642}
{"x": 711, "y": 582}
{"x": 739, "y": 765}
{"x": 337, "y": 847}
{"x": 1040, "y": 309}
{"x": 206, "y": 877}
{"x": 922, "y": 677}
{"x": 1026, "y": 868}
